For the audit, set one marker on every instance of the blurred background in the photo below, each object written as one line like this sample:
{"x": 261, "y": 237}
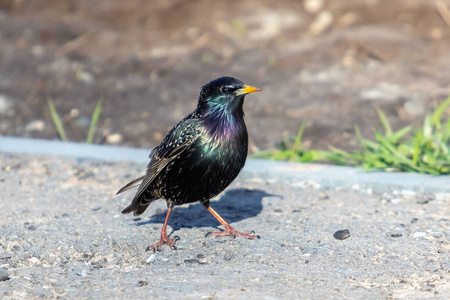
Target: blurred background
{"x": 329, "y": 62}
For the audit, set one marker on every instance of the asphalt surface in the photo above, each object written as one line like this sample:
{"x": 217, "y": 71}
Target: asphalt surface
{"x": 62, "y": 234}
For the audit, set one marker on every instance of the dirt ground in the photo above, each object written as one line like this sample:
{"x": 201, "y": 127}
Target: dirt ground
{"x": 329, "y": 62}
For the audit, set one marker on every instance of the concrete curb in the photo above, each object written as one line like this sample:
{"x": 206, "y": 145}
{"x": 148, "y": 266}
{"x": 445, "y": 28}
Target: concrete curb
{"x": 314, "y": 174}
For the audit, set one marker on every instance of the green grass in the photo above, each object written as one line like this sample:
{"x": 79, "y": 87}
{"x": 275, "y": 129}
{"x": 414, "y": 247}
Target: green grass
{"x": 56, "y": 120}
{"x": 421, "y": 150}
{"x": 297, "y": 153}
{"x": 94, "y": 120}
{"x": 60, "y": 128}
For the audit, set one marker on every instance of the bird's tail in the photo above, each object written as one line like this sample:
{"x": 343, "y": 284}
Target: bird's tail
{"x": 139, "y": 205}
{"x": 135, "y": 182}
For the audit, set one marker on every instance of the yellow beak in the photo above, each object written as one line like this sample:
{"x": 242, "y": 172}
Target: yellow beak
{"x": 246, "y": 90}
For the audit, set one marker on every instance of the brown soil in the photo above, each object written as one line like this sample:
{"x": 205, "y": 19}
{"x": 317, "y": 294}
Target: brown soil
{"x": 148, "y": 60}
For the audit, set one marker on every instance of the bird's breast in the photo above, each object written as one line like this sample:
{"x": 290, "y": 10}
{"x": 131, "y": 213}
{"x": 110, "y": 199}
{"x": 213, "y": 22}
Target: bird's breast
{"x": 207, "y": 167}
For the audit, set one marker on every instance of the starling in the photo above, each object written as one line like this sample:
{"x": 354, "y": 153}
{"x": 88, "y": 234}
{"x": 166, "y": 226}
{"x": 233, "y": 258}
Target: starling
{"x": 199, "y": 157}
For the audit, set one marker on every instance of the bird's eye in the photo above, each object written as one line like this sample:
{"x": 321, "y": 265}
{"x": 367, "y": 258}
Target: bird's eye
{"x": 225, "y": 90}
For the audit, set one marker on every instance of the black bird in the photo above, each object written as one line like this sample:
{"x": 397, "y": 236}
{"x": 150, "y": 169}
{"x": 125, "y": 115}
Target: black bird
{"x": 199, "y": 157}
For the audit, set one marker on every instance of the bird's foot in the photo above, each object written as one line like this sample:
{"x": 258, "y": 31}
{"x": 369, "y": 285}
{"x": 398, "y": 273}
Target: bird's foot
{"x": 164, "y": 240}
{"x": 234, "y": 233}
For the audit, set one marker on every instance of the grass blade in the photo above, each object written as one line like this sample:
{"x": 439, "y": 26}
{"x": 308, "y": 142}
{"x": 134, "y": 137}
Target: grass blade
{"x": 94, "y": 120}
{"x": 427, "y": 128}
{"x": 366, "y": 144}
{"x": 446, "y": 132}
{"x": 397, "y": 157}
{"x": 385, "y": 123}
{"x": 436, "y": 116}
{"x": 417, "y": 142}
{"x": 399, "y": 134}
{"x": 56, "y": 120}
{"x": 298, "y": 140}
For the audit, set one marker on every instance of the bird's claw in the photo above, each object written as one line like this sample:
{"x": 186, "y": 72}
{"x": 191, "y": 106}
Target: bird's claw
{"x": 158, "y": 245}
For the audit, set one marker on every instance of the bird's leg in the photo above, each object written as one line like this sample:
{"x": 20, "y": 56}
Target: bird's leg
{"x": 164, "y": 237}
{"x": 228, "y": 229}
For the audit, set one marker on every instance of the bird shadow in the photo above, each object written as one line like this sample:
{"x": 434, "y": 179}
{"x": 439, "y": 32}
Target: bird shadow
{"x": 235, "y": 205}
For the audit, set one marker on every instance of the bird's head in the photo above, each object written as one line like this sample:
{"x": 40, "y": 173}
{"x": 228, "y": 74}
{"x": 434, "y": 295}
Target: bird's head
{"x": 223, "y": 96}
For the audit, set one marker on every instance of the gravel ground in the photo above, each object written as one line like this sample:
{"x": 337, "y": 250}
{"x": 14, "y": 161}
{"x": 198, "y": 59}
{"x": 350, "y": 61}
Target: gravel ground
{"x": 62, "y": 235}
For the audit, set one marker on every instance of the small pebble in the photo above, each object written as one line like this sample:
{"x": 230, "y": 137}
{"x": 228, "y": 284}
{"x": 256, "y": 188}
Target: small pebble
{"x": 74, "y": 112}
{"x": 142, "y": 283}
{"x": 396, "y": 200}
{"x": 356, "y": 187}
{"x": 386, "y": 196}
{"x": 313, "y": 6}
{"x": 35, "y": 126}
{"x": 4, "y": 275}
{"x": 33, "y": 259}
{"x": 423, "y": 202}
{"x": 323, "y": 196}
{"x": 323, "y": 22}
{"x": 385, "y": 92}
{"x": 5, "y": 104}
{"x": 342, "y": 234}
{"x": 419, "y": 234}
{"x": 151, "y": 258}
{"x": 114, "y": 138}
{"x": 408, "y": 194}
{"x": 396, "y": 235}
{"x": 86, "y": 77}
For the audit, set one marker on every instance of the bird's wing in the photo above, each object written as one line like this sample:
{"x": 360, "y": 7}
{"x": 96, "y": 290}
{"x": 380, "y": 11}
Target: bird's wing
{"x": 178, "y": 140}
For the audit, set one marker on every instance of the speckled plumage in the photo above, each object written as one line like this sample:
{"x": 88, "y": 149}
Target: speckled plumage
{"x": 200, "y": 156}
